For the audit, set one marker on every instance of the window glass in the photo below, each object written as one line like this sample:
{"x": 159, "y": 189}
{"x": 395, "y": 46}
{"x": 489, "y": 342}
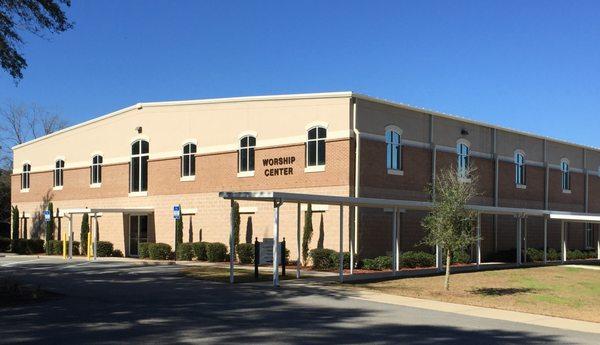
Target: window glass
{"x": 566, "y": 178}
{"x": 519, "y": 169}
{"x": 188, "y": 160}
{"x": 58, "y": 173}
{"x": 463, "y": 159}
{"x": 139, "y": 166}
{"x": 393, "y": 150}
{"x": 315, "y": 146}
{"x": 25, "y": 176}
{"x": 246, "y": 154}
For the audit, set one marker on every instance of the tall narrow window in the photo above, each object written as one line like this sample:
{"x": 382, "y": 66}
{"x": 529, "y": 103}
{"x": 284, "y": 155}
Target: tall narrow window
{"x": 394, "y": 149}
{"x": 188, "y": 160}
{"x": 139, "y": 166}
{"x": 566, "y": 175}
{"x": 246, "y": 154}
{"x": 25, "y": 176}
{"x": 463, "y": 151}
{"x": 520, "y": 168}
{"x": 96, "y": 170}
{"x": 58, "y": 173}
{"x": 315, "y": 146}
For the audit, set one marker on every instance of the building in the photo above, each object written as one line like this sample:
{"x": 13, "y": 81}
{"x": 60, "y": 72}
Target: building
{"x": 142, "y": 160}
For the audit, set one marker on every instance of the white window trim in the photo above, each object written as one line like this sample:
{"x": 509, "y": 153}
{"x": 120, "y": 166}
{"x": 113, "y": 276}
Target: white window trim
{"x": 189, "y": 178}
{"x": 139, "y": 155}
{"x": 521, "y": 186}
{"x": 316, "y": 124}
{"x": 566, "y": 191}
{"x": 314, "y": 168}
{"x": 57, "y": 188}
{"x": 395, "y": 172}
{"x": 25, "y": 190}
{"x": 99, "y": 165}
{"x": 562, "y": 172}
{"x": 95, "y": 185}
{"x": 468, "y": 145}
{"x": 137, "y": 194}
{"x": 465, "y": 179}
{"x": 245, "y": 173}
{"x": 398, "y": 130}
{"x": 522, "y": 153}
{"x": 247, "y": 133}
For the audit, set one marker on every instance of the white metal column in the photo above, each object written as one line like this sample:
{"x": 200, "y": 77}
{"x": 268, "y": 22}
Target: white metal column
{"x": 351, "y": 226}
{"x": 519, "y": 239}
{"x": 298, "y": 240}
{"x": 70, "y": 236}
{"x": 439, "y": 265}
{"x": 545, "y": 240}
{"x": 276, "y": 245}
{"x": 341, "y": 254}
{"x": 563, "y": 242}
{"x": 231, "y": 243}
{"x": 478, "y": 239}
{"x": 598, "y": 240}
{"x": 525, "y": 238}
{"x": 395, "y": 242}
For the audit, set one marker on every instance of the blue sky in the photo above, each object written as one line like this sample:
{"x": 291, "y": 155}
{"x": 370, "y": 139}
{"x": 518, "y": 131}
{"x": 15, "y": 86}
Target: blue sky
{"x": 528, "y": 65}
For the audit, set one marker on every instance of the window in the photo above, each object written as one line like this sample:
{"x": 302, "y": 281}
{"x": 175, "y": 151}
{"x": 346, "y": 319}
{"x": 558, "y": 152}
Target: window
{"x": 589, "y": 237}
{"x": 58, "y": 173}
{"x": 394, "y": 149}
{"x": 462, "y": 151}
{"x": 138, "y": 168}
{"x": 315, "y": 146}
{"x": 188, "y": 160}
{"x": 246, "y": 154}
{"x": 520, "y": 168}
{"x": 25, "y": 176}
{"x": 96, "y": 170}
{"x": 566, "y": 177}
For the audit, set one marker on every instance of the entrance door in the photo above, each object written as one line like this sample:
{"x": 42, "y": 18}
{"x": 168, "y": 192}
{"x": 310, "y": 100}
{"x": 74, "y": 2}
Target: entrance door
{"x": 138, "y": 233}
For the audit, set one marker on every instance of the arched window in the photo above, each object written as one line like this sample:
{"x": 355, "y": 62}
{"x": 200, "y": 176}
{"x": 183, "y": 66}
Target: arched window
{"x": 393, "y": 142}
{"x": 246, "y": 153}
{"x": 188, "y": 160}
{"x": 25, "y": 176}
{"x": 58, "y": 173}
{"x": 463, "y": 150}
{"x": 566, "y": 174}
{"x": 315, "y": 146}
{"x": 520, "y": 168}
{"x": 96, "y": 170}
{"x": 138, "y": 168}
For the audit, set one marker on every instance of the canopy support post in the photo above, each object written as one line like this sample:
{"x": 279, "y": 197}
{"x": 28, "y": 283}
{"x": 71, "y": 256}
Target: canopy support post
{"x": 525, "y": 238}
{"x": 277, "y": 204}
{"x": 519, "y": 240}
{"x": 351, "y": 227}
{"x": 478, "y": 239}
{"x": 439, "y": 266}
{"x": 563, "y": 242}
{"x": 545, "y": 240}
{"x": 341, "y": 243}
{"x": 70, "y": 237}
{"x": 395, "y": 242}
{"x": 231, "y": 242}
{"x": 298, "y": 241}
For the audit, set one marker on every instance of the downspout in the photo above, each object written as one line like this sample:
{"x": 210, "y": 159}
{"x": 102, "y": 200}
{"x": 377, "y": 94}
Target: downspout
{"x": 356, "y": 171}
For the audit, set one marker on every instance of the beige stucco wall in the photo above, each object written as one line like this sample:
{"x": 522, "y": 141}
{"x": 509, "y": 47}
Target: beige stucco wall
{"x": 508, "y": 143}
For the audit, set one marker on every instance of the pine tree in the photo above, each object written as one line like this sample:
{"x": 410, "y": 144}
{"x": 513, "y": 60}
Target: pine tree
{"x": 85, "y": 229}
{"x": 320, "y": 243}
{"x": 236, "y": 224}
{"x": 308, "y": 232}
{"x": 178, "y": 231}
{"x": 15, "y": 223}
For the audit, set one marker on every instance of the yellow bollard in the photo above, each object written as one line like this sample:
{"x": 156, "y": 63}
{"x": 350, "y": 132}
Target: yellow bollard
{"x": 65, "y": 246}
{"x": 89, "y": 246}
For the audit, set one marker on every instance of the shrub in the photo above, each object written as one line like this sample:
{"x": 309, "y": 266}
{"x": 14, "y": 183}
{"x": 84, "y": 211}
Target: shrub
{"x": 245, "y": 252}
{"x": 143, "y": 251}
{"x": 117, "y": 253}
{"x": 575, "y": 255}
{"x": 509, "y": 255}
{"x": 104, "y": 248}
{"x": 4, "y": 244}
{"x": 216, "y": 252}
{"x": 335, "y": 258}
{"x": 322, "y": 258}
{"x": 534, "y": 255}
{"x": 185, "y": 251}
{"x": 553, "y": 254}
{"x": 23, "y": 246}
{"x": 159, "y": 251}
{"x": 379, "y": 263}
{"x": 200, "y": 250}
{"x": 416, "y": 259}
{"x": 461, "y": 257}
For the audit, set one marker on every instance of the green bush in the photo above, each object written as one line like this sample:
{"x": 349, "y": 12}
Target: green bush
{"x": 4, "y": 244}
{"x": 322, "y": 258}
{"x": 379, "y": 263}
{"x": 105, "y": 249}
{"x": 216, "y": 252}
{"x": 27, "y": 247}
{"x": 460, "y": 257}
{"x": 534, "y": 255}
{"x": 591, "y": 254}
{"x": 117, "y": 253}
{"x": 200, "y": 250}
{"x": 416, "y": 259}
{"x": 185, "y": 252}
{"x": 54, "y": 247}
{"x": 245, "y": 252}
{"x": 575, "y": 255}
{"x": 159, "y": 251}
{"x": 335, "y": 258}
{"x": 143, "y": 251}
{"x": 553, "y": 254}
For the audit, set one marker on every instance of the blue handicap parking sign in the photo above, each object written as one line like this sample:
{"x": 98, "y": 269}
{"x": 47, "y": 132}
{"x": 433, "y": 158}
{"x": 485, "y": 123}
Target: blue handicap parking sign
{"x": 176, "y": 211}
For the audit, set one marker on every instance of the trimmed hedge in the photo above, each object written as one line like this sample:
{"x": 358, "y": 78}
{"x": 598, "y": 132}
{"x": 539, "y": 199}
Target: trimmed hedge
{"x": 416, "y": 259}
{"x": 460, "y": 257}
{"x": 245, "y": 252}
{"x": 23, "y": 246}
{"x": 216, "y": 252}
{"x": 104, "y": 248}
{"x": 534, "y": 255}
{"x": 200, "y": 250}
{"x": 159, "y": 251}
{"x": 4, "y": 244}
{"x": 379, "y": 263}
{"x": 143, "y": 252}
{"x": 322, "y": 258}
{"x": 117, "y": 253}
{"x": 185, "y": 252}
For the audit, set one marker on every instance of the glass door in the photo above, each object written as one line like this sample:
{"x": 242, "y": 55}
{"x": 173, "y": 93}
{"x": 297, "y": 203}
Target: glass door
{"x": 138, "y": 233}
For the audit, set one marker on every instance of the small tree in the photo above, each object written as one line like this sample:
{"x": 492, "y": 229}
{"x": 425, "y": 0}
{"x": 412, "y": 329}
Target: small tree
{"x": 307, "y": 234}
{"x": 49, "y": 229}
{"x": 236, "y": 224}
{"x": 178, "y": 231}
{"x": 321, "y": 241}
{"x": 85, "y": 229}
{"x": 449, "y": 225}
{"x": 15, "y": 223}
{"x": 249, "y": 230}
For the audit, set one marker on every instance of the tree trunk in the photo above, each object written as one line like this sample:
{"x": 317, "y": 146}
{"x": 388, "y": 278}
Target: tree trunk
{"x": 447, "y": 278}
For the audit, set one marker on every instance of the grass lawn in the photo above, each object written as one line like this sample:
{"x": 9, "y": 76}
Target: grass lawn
{"x": 221, "y": 274}
{"x": 567, "y": 292}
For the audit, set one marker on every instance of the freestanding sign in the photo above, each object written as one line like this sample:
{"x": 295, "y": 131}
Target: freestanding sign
{"x": 177, "y": 211}
{"x": 47, "y": 216}
{"x": 266, "y": 251}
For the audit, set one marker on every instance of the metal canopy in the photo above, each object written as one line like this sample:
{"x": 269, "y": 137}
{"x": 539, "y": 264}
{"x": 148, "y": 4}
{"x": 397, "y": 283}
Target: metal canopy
{"x": 107, "y": 210}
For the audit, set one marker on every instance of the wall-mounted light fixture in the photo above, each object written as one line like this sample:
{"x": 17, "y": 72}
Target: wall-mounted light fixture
{"x": 138, "y": 129}
{"x": 464, "y": 132}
